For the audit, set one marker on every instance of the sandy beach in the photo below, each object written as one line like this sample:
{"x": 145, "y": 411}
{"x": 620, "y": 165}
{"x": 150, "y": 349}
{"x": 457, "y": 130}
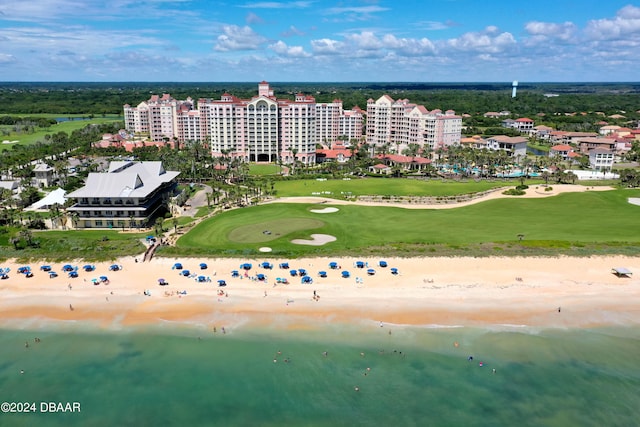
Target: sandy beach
{"x": 558, "y": 292}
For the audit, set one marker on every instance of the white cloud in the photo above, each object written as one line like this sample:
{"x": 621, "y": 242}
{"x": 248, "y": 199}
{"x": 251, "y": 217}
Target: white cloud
{"x": 6, "y": 58}
{"x": 252, "y": 18}
{"x": 238, "y": 38}
{"x": 277, "y": 5}
{"x": 366, "y": 40}
{"x": 625, "y": 24}
{"x": 356, "y": 9}
{"x": 292, "y": 31}
{"x": 433, "y": 25}
{"x": 408, "y": 46}
{"x": 282, "y": 49}
{"x": 327, "y": 47}
{"x": 491, "y": 40}
{"x": 565, "y": 32}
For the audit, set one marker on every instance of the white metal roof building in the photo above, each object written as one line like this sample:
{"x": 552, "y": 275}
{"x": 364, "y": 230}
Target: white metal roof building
{"x": 129, "y": 194}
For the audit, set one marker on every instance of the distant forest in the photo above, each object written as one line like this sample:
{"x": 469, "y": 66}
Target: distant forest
{"x": 472, "y": 98}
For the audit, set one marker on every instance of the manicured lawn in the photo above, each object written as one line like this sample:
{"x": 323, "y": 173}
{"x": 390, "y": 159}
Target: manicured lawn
{"x": 264, "y": 169}
{"x": 338, "y": 188}
{"x": 576, "y": 222}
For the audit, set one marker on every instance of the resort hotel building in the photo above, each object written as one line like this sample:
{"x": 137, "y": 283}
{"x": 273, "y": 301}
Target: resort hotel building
{"x": 130, "y": 194}
{"x": 400, "y": 123}
{"x": 269, "y": 129}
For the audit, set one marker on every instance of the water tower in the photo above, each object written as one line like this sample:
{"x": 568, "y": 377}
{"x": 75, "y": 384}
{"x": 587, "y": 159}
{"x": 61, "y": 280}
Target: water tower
{"x": 515, "y": 87}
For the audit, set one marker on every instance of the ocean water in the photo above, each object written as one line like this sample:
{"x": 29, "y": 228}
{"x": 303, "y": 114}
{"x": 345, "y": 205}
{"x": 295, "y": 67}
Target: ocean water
{"x": 414, "y": 376}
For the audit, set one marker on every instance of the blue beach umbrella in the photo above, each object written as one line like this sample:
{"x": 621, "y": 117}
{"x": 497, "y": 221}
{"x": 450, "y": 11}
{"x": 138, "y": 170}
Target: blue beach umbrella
{"x": 306, "y": 279}
{"x": 394, "y": 270}
{"x": 246, "y": 266}
{"x": 203, "y": 266}
{"x": 284, "y": 265}
{"x": 345, "y": 274}
{"x": 177, "y": 266}
{"x": 222, "y": 283}
{"x": 322, "y": 273}
{"x": 185, "y": 272}
{"x": 371, "y": 272}
{"x": 293, "y": 272}
{"x": 302, "y": 272}
{"x": 45, "y": 267}
{"x": 235, "y": 273}
{"x": 333, "y": 265}
{"x": 260, "y": 276}
{"x": 382, "y": 263}
{"x": 359, "y": 264}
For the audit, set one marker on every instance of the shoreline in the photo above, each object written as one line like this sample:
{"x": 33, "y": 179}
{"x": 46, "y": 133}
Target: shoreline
{"x": 537, "y": 292}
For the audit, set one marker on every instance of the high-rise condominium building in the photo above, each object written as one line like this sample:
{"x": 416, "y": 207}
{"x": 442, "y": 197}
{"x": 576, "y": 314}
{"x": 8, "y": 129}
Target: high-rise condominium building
{"x": 400, "y": 123}
{"x": 267, "y": 128}
{"x": 263, "y": 128}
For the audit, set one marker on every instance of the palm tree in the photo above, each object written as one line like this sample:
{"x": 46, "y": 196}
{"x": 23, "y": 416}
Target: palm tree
{"x": 159, "y": 225}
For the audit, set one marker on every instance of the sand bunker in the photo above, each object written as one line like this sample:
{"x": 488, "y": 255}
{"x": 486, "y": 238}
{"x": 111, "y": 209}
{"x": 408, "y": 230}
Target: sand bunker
{"x": 265, "y": 249}
{"x": 634, "y": 201}
{"x": 316, "y": 240}
{"x": 325, "y": 210}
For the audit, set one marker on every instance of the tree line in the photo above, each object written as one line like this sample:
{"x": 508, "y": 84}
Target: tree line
{"x": 474, "y": 99}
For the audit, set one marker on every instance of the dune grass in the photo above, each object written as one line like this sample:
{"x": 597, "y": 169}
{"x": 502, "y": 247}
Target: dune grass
{"x": 576, "y": 223}
{"x": 92, "y": 245}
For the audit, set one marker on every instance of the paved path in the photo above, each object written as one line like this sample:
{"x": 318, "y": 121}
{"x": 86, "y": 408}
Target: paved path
{"x": 196, "y": 202}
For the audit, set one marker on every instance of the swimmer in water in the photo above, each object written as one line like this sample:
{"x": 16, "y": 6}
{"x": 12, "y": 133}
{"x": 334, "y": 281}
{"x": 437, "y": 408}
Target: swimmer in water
{"x": 356, "y": 388}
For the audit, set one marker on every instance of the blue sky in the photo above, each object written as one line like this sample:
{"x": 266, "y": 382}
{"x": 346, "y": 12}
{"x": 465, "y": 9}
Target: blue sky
{"x": 322, "y": 40}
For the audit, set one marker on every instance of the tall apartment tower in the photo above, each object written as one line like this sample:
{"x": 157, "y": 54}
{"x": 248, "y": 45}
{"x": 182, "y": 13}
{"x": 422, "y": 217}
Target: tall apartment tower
{"x": 400, "y": 123}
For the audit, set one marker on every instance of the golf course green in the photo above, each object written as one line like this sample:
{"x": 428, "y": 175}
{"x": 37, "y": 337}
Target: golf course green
{"x": 572, "y": 223}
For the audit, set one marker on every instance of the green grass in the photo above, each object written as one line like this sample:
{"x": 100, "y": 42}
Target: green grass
{"x": 68, "y": 127}
{"x": 263, "y": 169}
{"x": 92, "y": 245}
{"x": 265, "y": 231}
{"x": 574, "y": 223}
{"x": 382, "y": 187}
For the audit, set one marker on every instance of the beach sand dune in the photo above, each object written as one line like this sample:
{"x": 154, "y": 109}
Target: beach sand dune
{"x": 546, "y": 292}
